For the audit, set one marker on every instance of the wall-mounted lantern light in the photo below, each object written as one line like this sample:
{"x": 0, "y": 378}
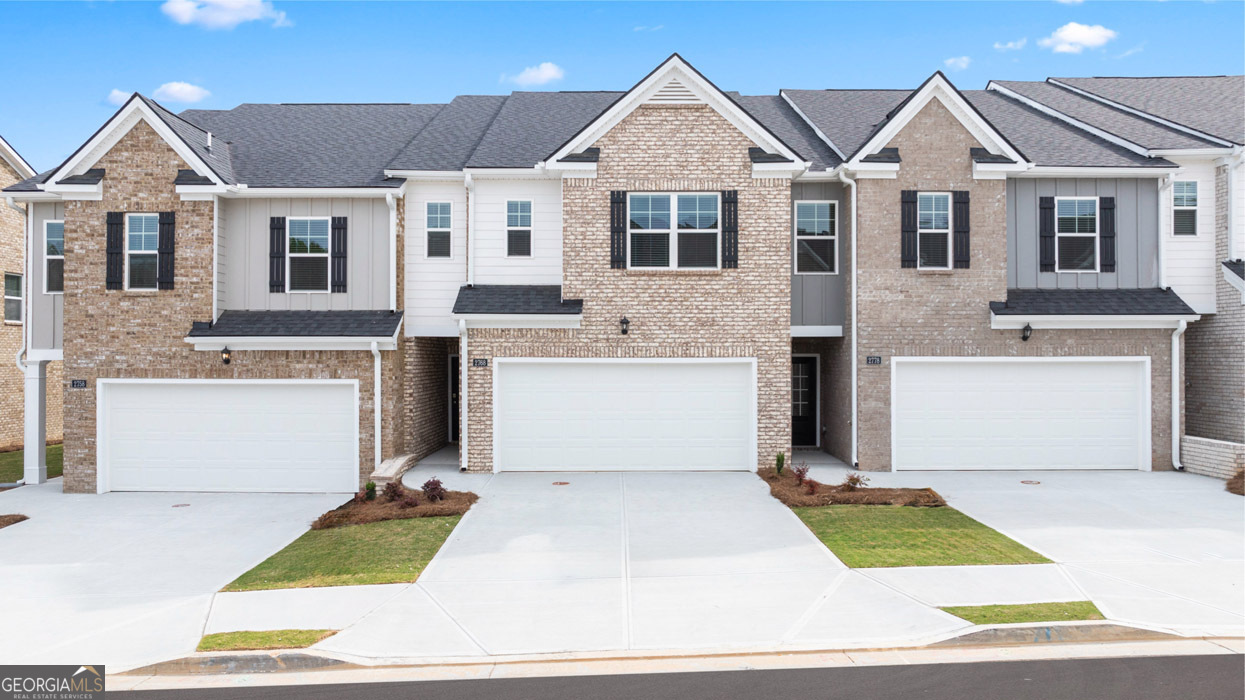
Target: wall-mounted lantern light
{"x": 625, "y": 324}
{"x": 225, "y": 355}
{"x": 1026, "y": 332}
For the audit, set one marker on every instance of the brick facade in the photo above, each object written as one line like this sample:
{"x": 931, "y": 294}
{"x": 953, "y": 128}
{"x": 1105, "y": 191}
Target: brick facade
{"x": 425, "y": 388}
{"x": 906, "y": 312}
{"x": 1208, "y": 457}
{"x": 743, "y": 312}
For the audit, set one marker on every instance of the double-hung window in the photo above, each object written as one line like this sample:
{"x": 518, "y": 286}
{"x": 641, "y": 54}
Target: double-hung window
{"x": 142, "y": 245}
{"x": 816, "y": 237}
{"x": 1076, "y": 234}
{"x": 308, "y": 256}
{"x": 690, "y": 239}
{"x": 12, "y": 298}
{"x": 438, "y": 221}
{"x": 933, "y": 230}
{"x": 519, "y": 228}
{"x": 54, "y": 257}
{"x": 1184, "y": 208}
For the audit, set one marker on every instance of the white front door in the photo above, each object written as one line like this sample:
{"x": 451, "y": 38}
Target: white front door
{"x": 559, "y": 415}
{"x": 226, "y": 435}
{"x": 1020, "y": 413}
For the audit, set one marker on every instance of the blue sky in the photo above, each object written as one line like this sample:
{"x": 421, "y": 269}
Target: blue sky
{"x": 66, "y": 58}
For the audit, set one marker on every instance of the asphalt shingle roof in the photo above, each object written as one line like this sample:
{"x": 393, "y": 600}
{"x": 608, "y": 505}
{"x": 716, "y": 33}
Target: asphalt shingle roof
{"x": 1211, "y": 104}
{"x": 774, "y": 112}
{"x": 515, "y": 299}
{"x": 1091, "y": 302}
{"x": 530, "y": 126}
{"x": 449, "y": 139}
{"x": 847, "y": 117}
{"x": 1236, "y": 266}
{"x": 217, "y": 157}
{"x": 30, "y": 184}
{"x": 266, "y": 324}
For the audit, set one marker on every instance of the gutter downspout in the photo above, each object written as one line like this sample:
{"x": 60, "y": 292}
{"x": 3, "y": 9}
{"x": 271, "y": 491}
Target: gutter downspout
{"x": 855, "y": 378}
{"x": 471, "y": 236}
{"x": 1163, "y": 234}
{"x": 1234, "y": 162}
{"x": 393, "y": 251}
{"x": 462, "y": 394}
{"x": 376, "y": 444}
{"x": 1176, "y": 356}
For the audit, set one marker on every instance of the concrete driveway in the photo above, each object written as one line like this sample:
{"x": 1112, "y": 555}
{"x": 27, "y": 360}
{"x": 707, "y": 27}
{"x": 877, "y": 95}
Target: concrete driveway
{"x": 126, "y": 579}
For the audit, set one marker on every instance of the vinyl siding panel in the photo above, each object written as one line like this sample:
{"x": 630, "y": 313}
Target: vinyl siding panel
{"x": 432, "y": 283}
{"x": 544, "y": 266}
{"x": 1190, "y": 260}
{"x": 820, "y": 300}
{"x": 47, "y": 311}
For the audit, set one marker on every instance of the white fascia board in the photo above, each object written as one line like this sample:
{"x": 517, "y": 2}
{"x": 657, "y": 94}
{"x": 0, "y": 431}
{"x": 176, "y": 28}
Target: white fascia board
{"x": 817, "y": 331}
{"x": 866, "y": 167}
{"x": 816, "y": 130}
{"x": 431, "y": 175}
{"x": 939, "y": 88}
{"x": 218, "y": 343}
{"x": 819, "y": 175}
{"x": 875, "y": 174}
{"x": 675, "y": 67}
{"x": 534, "y": 173}
{"x": 1062, "y": 171}
{"x": 33, "y": 196}
{"x": 1083, "y": 126}
{"x": 1191, "y": 152}
{"x": 520, "y": 320}
{"x": 93, "y": 193}
{"x": 287, "y": 192}
{"x": 1139, "y": 113}
{"x": 15, "y": 159}
{"x": 1087, "y": 322}
{"x": 1235, "y": 281}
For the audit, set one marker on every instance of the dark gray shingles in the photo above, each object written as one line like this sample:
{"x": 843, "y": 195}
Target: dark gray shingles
{"x": 448, "y": 140}
{"x": 1236, "y": 266}
{"x": 515, "y": 299}
{"x": 1211, "y": 104}
{"x": 981, "y": 155}
{"x": 530, "y": 126}
{"x": 267, "y": 324}
{"x": 1045, "y": 140}
{"x": 90, "y": 177}
{"x": 777, "y": 116}
{"x": 588, "y": 155}
{"x": 217, "y": 157}
{"x": 1091, "y": 302}
{"x": 314, "y": 145}
{"x": 1139, "y": 130}
{"x": 31, "y": 184}
{"x": 847, "y": 117}
{"x": 884, "y": 155}
{"x": 189, "y": 177}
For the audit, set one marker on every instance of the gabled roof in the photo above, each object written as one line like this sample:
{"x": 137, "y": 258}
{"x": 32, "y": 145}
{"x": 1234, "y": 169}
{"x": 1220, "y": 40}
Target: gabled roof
{"x": 846, "y": 117}
{"x": 15, "y": 160}
{"x": 450, "y": 137}
{"x": 531, "y": 125}
{"x": 1212, "y": 104}
{"x": 774, "y": 112}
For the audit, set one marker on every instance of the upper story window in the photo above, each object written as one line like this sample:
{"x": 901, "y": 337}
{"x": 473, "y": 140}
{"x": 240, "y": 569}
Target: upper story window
{"x": 1076, "y": 234}
{"x": 308, "y": 257}
{"x": 1184, "y": 208}
{"x": 816, "y": 237}
{"x": 54, "y": 257}
{"x": 933, "y": 229}
{"x": 12, "y": 298}
{"x": 142, "y": 244}
{"x": 519, "y": 228}
{"x": 438, "y": 228}
{"x": 688, "y": 240}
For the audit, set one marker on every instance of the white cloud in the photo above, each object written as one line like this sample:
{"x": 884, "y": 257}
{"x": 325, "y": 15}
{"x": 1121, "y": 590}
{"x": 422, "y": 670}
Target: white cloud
{"x": 1011, "y": 45}
{"x": 1135, "y": 50}
{"x": 223, "y": 14}
{"x": 180, "y": 92}
{"x": 957, "y": 62}
{"x": 118, "y": 97}
{"x": 1069, "y": 2}
{"x": 643, "y": 28}
{"x": 1075, "y": 37}
{"x": 536, "y": 75}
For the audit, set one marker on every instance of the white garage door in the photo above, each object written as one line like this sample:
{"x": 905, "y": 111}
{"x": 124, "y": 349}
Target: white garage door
{"x": 590, "y": 415}
{"x": 1021, "y": 413}
{"x": 229, "y": 436}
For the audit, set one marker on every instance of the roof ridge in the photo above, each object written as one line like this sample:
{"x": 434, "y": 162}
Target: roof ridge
{"x": 414, "y": 136}
{"x": 1108, "y": 103}
{"x": 484, "y": 132}
{"x": 1143, "y": 77}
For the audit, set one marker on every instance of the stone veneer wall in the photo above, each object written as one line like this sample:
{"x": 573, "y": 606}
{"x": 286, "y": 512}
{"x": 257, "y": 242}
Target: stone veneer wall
{"x": 113, "y": 333}
{"x": 744, "y": 312}
{"x": 906, "y": 312}
{"x": 1208, "y": 457}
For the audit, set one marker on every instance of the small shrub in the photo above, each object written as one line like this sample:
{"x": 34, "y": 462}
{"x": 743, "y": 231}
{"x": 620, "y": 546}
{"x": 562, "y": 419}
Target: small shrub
{"x": 370, "y": 489}
{"x": 433, "y": 490}
{"x": 854, "y": 481}
{"x": 361, "y": 496}
{"x": 393, "y": 491}
{"x": 781, "y": 459}
{"x": 801, "y": 473}
{"x": 408, "y": 502}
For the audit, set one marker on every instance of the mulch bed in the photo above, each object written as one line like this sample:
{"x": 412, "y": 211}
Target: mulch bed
{"x": 11, "y": 519}
{"x": 1237, "y": 483}
{"x": 355, "y": 512}
{"x": 787, "y": 489}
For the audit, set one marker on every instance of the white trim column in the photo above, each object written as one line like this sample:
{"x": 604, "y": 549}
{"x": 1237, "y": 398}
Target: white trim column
{"x": 34, "y": 462}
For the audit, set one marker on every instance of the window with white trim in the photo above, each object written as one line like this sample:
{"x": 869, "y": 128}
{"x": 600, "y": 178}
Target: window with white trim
{"x": 519, "y": 228}
{"x": 54, "y": 257}
{"x": 933, "y": 230}
{"x": 438, "y": 216}
{"x": 1076, "y": 234}
{"x": 1184, "y": 208}
{"x": 307, "y": 256}
{"x": 688, "y": 240}
{"x": 142, "y": 245}
{"x": 816, "y": 237}
{"x": 12, "y": 298}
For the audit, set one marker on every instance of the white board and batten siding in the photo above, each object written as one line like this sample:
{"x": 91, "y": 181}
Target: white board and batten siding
{"x": 492, "y": 265}
{"x": 1189, "y": 261}
{"x": 432, "y": 284}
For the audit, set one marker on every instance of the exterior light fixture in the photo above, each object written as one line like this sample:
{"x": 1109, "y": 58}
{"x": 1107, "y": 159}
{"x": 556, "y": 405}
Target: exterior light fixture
{"x": 625, "y": 324}
{"x": 225, "y": 355}
{"x": 1026, "y": 332}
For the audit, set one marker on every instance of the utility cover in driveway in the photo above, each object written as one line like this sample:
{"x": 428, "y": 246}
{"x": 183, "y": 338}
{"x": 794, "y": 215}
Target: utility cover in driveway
{"x": 607, "y": 415}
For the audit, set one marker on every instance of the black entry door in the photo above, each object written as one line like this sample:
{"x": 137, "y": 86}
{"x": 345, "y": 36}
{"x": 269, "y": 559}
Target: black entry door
{"x": 804, "y": 401}
{"x": 455, "y": 376}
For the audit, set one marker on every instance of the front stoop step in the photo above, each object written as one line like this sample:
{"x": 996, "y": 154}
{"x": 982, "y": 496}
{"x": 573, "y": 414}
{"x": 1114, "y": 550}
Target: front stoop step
{"x": 391, "y": 469}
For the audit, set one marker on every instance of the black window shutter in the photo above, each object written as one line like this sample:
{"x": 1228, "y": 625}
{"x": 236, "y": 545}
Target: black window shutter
{"x": 337, "y": 255}
{"x": 1106, "y": 233}
{"x": 618, "y": 229}
{"x": 1046, "y": 234}
{"x": 907, "y": 228}
{"x": 959, "y": 215}
{"x": 730, "y": 229}
{"x": 164, "y": 249}
{"x": 276, "y": 254}
{"x": 115, "y": 247}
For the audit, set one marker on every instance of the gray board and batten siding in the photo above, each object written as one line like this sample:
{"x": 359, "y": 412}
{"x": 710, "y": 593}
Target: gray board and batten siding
{"x": 820, "y": 299}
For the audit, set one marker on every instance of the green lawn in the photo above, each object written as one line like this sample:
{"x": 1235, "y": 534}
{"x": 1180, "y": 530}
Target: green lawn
{"x": 869, "y": 536}
{"x": 272, "y": 639}
{"x": 393, "y": 551}
{"x": 1032, "y": 612}
{"x": 11, "y": 464}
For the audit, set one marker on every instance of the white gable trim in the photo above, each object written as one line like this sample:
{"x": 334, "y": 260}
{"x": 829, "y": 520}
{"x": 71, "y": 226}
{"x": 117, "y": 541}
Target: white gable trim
{"x": 15, "y": 159}
{"x": 117, "y": 127}
{"x": 939, "y": 88}
{"x": 693, "y": 83}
